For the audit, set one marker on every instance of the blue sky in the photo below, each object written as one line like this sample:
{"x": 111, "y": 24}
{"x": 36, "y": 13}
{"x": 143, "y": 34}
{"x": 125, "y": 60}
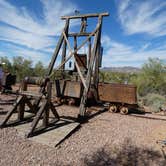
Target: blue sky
{"x": 134, "y": 31}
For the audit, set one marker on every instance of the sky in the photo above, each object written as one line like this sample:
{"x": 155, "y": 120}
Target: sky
{"x": 134, "y": 31}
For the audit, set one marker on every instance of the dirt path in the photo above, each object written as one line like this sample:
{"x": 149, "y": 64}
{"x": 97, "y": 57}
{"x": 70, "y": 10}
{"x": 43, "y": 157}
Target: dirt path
{"x": 107, "y": 139}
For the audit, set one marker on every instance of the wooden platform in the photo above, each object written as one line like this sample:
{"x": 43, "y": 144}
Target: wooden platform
{"x": 53, "y": 135}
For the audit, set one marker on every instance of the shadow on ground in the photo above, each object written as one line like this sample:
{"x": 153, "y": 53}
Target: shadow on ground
{"x": 127, "y": 155}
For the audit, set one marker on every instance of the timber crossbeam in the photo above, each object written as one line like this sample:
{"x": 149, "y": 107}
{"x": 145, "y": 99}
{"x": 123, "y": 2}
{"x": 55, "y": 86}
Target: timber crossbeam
{"x": 85, "y": 16}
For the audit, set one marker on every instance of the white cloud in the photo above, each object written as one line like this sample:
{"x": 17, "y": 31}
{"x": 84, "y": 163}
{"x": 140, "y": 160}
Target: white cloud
{"x": 145, "y": 46}
{"x": 1, "y": 53}
{"x": 143, "y": 16}
{"x": 51, "y": 23}
{"x": 115, "y": 47}
{"x": 30, "y": 54}
{"x": 27, "y": 39}
{"x": 119, "y": 54}
{"x": 162, "y": 47}
{"x": 20, "y": 26}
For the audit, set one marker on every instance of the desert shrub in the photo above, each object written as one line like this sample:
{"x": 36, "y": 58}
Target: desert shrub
{"x": 104, "y": 76}
{"x": 154, "y": 101}
{"x": 39, "y": 69}
{"x": 114, "y": 77}
{"x": 151, "y": 79}
{"x": 119, "y": 77}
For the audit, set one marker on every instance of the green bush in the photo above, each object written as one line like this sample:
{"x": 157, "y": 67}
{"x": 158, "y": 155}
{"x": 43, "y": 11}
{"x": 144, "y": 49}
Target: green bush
{"x": 154, "y": 101}
{"x": 114, "y": 77}
{"x": 22, "y": 67}
{"x": 151, "y": 79}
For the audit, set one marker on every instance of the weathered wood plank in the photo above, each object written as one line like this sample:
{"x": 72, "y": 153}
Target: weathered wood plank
{"x": 85, "y": 15}
{"x": 53, "y": 135}
{"x": 54, "y": 57}
{"x": 90, "y": 69}
{"x": 76, "y": 64}
{"x": 79, "y": 34}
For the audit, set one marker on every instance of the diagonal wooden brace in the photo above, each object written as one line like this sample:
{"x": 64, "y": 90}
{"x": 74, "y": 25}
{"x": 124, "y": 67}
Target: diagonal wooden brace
{"x": 9, "y": 114}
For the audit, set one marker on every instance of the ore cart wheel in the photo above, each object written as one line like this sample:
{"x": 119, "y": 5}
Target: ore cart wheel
{"x": 124, "y": 110}
{"x": 71, "y": 102}
{"x": 113, "y": 109}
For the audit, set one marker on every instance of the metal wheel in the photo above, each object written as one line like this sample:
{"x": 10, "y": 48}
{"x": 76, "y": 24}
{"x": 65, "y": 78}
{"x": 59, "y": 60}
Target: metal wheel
{"x": 71, "y": 101}
{"x": 113, "y": 109}
{"x": 124, "y": 110}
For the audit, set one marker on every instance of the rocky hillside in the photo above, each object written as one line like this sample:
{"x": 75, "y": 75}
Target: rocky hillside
{"x": 126, "y": 69}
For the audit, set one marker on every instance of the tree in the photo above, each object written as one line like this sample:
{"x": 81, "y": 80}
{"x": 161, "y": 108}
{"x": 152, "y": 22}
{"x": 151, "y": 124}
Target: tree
{"x": 152, "y": 78}
{"x": 22, "y": 67}
{"x": 39, "y": 69}
{"x": 104, "y": 76}
{"x": 7, "y": 66}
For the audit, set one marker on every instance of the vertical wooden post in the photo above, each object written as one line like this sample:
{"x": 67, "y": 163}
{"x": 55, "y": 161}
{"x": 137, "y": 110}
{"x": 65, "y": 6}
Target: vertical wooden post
{"x": 75, "y": 43}
{"x": 89, "y": 51}
{"x": 21, "y": 107}
{"x": 83, "y": 25}
{"x": 47, "y": 108}
{"x": 96, "y": 69}
{"x": 75, "y": 48}
{"x": 90, "y": 69}
{"x": 96, "y": 74}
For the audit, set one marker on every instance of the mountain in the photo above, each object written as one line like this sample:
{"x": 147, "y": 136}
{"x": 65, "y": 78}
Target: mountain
{"x": 125, "y": 69}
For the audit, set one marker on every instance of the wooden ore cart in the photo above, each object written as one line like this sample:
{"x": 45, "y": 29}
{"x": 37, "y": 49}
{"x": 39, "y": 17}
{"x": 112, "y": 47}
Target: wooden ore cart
{"x": 121, "y": 97}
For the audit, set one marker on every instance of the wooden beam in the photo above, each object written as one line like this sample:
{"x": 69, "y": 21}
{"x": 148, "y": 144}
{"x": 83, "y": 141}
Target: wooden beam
{"x": 37, "y": 117}
{"x": 85, "y": 15}
{"x": 30, "y": 105}
{"x": 83, "y": 43}
{"x": 79, "y": 34}
{"x": 30, "y": 93}
{"x": 64, "y": 48}
{"x": 77, "y": 66}
{"x": 90, "y": 68}
{"x": 51, "y": 65}
{"x": 21, "y": 107}
{"x": 54, "y": 111}
{"x": 96, "y": 71}
{"x": 89, "y": 50}
{"x": 47, "y": 109}
{"x": 9, "y": 114}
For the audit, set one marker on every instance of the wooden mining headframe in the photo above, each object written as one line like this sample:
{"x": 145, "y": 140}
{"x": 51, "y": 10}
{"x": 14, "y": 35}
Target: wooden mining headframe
{"x": 40, "y": 104}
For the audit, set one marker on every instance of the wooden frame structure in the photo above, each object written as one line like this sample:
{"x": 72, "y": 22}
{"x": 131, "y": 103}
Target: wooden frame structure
{"x": 41, "y": 104}
{"x": 92, "y": 76}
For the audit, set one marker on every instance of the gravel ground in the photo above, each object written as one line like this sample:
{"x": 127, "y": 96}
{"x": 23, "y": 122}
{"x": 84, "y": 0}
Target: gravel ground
{"x": 107, "y": 139}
